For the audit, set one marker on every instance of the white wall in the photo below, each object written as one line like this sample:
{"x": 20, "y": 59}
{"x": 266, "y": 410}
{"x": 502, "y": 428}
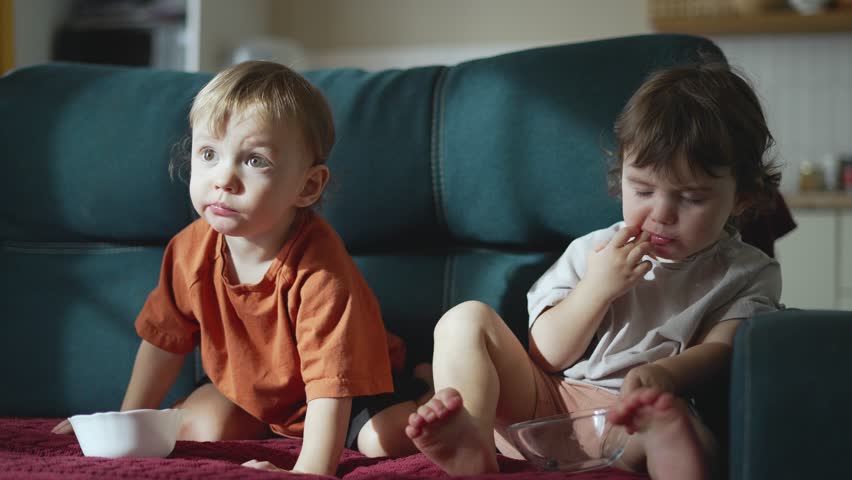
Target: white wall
{"x": 216, "y": 27}
{"x": 375, "y": 34}
{"x": 804, "y": 80}
{"x": 805, "y": 83}
{"x": 35, "y": 21}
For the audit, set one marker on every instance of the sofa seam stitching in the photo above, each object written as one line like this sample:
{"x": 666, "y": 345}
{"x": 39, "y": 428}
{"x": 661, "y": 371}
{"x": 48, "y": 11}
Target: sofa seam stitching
{"x": 449, "y": 281}
{"x": 438, "y": 187}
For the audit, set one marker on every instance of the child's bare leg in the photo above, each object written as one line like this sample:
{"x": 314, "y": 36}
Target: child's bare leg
{"x": 482, "y": 373}
{"x": 384, "y": 434}
{"x": 209, "y": 416}
{"x": 667, "y": 442}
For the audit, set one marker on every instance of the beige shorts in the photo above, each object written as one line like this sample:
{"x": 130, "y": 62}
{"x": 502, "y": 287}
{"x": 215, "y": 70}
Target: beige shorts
{"x": 556, "y": 396}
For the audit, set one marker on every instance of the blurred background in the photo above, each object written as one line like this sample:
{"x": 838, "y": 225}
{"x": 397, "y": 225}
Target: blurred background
{"x": 797, "y": 53}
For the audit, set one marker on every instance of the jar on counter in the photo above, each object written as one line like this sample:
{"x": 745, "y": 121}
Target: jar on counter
{"x": 810, "y": 177}
{"x": 832, "y": 171}
{"x": 846, "y": 174}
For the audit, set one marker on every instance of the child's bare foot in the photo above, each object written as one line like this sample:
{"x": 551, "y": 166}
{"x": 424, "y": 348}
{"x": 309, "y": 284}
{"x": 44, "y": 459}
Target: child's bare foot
{"x": 445, "y": 432}
{"x": 671, "y": 445}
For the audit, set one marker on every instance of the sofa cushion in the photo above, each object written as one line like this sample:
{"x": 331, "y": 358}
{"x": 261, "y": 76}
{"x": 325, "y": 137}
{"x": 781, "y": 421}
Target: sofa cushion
{"x": 380, "y": 194}
{"x": 790, "y": 391}
{"x": 86, "y": 152}
{"x": 68, "y": 309}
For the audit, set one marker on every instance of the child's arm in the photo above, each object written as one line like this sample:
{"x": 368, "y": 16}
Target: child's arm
{"x": 154, "y": 373}
{"x": 682, "y": 373}
{"x": 326, "y": 422}
{"x": 561, "y": 334}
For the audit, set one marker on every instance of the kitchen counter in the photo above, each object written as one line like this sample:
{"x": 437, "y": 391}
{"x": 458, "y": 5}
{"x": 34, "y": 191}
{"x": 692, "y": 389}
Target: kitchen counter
{"x": 812, "y": 200}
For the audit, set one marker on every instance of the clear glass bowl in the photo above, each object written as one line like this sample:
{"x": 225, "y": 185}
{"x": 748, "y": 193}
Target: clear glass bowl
{"x": 578, "y": 441}
{"x": 134, "y": 433}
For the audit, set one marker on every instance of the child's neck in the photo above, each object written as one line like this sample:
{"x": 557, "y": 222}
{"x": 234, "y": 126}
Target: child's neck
{"x": 249, "y": 259}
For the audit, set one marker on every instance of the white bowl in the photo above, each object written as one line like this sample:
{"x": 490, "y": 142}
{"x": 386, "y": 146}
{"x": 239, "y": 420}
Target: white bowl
{"x": 572, "y": 442}
{"x": 134, "y": 433}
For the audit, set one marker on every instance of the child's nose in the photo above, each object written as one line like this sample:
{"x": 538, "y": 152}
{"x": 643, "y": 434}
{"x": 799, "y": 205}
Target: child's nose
{"x": 226, "y": 178}
{"x": 664, "y": 212}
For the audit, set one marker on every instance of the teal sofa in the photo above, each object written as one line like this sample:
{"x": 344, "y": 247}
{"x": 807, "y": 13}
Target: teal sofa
{"x": 450, "y": 183}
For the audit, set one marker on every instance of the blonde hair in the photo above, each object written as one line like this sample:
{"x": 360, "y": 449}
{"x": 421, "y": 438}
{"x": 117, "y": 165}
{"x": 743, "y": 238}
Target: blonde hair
{"x": 274, "y": 92}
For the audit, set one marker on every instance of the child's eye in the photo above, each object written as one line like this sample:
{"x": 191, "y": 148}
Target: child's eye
{"x": 208, "y": 155}
{"x": 694, "y": 200}
{"x": 257, "y": 162}
{"x": 643, "y": 194}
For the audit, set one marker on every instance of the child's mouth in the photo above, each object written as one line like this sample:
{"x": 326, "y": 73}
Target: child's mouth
{"x": 659, "y": 240}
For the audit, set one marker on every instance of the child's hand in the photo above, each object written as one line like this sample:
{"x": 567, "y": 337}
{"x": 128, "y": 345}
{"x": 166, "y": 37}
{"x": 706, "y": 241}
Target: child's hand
{"x": 264, "y": 466}
{"x": 63, "y": 427}
{"x": 615, "y": 266}
{"x": 648, "y": 376}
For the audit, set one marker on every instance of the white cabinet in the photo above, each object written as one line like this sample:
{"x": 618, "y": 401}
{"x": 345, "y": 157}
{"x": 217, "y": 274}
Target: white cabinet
{"x": 816, "y": 258}
{"x": 844, "y": 249}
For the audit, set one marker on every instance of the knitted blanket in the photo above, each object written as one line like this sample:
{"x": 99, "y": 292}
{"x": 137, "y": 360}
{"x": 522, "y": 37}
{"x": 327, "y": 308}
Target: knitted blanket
{"x": 29, "y": 451}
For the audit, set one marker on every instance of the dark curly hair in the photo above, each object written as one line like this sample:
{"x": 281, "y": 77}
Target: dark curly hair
{"x": 706, "y": 113}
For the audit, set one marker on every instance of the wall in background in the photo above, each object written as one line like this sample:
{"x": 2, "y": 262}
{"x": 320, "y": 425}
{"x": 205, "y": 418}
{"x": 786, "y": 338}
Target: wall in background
{"x": 216, "y": 27}
{"x": 374, "y": 34}
{"x": 805, "y": 83}
{"x": 35, "y": 21}
{"x": 804, "y": 80}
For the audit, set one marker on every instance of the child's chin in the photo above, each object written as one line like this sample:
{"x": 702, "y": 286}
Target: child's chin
{"x": 223, "y": 226}
{"x": 665, "y": 255}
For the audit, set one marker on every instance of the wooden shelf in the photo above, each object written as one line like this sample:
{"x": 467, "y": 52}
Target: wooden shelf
{"x": 818, "y": 200}
{"x": 786, "y": 21}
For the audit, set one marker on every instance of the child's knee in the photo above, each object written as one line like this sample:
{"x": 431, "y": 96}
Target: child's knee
{"x": 372, "y": 445}
{"x": 384, "y": 434}
{"x": 198, "y": 429}
{"x": 471, "y": 317}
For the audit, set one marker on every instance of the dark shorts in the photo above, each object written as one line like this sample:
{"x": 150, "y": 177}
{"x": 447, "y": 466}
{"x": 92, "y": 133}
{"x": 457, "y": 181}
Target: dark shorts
{"x": 406, "y": 387}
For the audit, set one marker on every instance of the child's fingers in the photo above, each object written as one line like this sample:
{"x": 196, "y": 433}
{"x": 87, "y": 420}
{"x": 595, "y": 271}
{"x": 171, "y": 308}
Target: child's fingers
{"x": 623, "y": 236}
{"x": 642, "y": 268}
{"x": 262, "y": 465}
{"x": 63, "y": 427}
{"x": 638, "y": 251}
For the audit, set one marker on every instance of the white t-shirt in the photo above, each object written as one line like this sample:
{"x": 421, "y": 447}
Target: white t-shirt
{"x": 666, "y": 311}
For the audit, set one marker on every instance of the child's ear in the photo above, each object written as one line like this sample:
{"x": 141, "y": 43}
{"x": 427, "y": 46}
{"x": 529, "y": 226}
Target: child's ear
{"x": 315, "y": 180}
{"x": 742, "y": 203}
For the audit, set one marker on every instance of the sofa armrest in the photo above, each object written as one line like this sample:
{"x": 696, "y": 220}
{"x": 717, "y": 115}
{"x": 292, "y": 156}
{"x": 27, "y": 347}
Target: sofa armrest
{"x": 790, "y": 394}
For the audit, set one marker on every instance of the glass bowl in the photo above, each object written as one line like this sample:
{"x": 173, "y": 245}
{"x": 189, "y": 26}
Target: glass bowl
{"x": 134, "y": 433}
{"x": 577, "y": 441}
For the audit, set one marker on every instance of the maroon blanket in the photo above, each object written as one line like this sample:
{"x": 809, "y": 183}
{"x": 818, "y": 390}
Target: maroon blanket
{"x": 28, "y": 450}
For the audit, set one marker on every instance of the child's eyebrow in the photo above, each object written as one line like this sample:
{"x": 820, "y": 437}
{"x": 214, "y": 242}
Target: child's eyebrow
{"x": 260, "y": 144}
{"x": 202, "y": 136}
{"x": 695, "y": 188}
{"x": 683, "y": 188}
{"x": 639, "y": 181}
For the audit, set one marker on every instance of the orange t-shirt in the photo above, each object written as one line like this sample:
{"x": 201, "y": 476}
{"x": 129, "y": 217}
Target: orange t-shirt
{"x": 309, "y": 329}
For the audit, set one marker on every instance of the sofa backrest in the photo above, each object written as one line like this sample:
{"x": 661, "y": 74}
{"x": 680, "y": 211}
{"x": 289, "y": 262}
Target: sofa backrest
{"x": 449, "y": 183}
